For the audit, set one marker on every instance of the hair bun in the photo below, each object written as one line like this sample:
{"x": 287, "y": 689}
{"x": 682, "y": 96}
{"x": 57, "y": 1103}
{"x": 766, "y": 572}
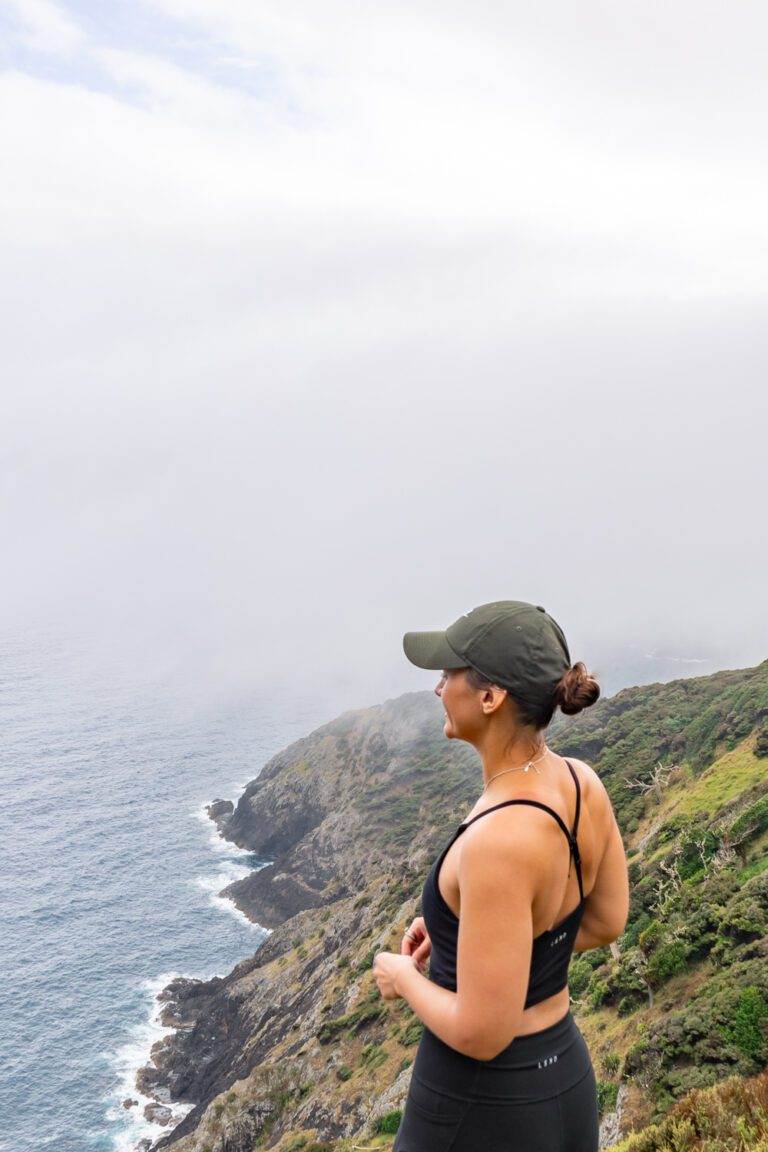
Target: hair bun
{"x": 576, "y": 690}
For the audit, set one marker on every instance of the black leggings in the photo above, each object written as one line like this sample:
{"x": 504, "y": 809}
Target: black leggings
{"x": 538, "y": 1095}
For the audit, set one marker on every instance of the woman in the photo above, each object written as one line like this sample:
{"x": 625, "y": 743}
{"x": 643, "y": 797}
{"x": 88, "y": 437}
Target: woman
{"x": 502, "y": 1065}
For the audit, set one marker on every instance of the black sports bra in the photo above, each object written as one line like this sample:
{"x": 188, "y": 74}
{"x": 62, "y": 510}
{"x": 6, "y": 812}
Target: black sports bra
{"x": 552, "y": 948}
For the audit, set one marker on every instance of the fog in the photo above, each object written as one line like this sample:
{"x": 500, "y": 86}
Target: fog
{"x": 323, "y": 324}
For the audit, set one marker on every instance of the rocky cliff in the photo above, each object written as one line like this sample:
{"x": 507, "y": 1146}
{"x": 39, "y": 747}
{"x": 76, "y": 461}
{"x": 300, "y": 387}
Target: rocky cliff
{"x": 295, "y": 1047}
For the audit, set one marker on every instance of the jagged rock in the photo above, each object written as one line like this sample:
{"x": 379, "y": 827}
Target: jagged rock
{"x": 390, "y": 1099}
{"x": 147, "y": 1079}
{"x": 128, "y": 1103}
{"x": 158, "y": 1113}
{"x": 610, "y": 1125}
{"x": 220, "y": 810}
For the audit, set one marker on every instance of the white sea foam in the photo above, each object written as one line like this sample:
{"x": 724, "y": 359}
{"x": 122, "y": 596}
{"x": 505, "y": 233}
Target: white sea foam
{"x": 231, "y": 866}
{"x": 130, "y": 1124}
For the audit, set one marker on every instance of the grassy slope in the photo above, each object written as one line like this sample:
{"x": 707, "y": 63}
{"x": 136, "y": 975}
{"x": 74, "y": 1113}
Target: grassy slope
{"x": 685, "y": 1002}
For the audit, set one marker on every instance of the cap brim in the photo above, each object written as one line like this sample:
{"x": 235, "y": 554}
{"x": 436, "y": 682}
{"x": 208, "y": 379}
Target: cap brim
{"x": 431, "y": 650}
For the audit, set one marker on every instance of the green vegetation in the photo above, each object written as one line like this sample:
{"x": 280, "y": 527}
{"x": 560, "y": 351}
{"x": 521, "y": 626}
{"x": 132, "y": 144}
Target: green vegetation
{"x": 412, "y": 1031}
{"x": 389, "y": 1122}
{"x": 684, "y": 992}
{"x": 372, "y": 1055}
{"x": 761, "y": 742}
{"x": 746, "y": 1029}
{"x": 689, "y": 973}
{"x": 353, "y": 1022}
{"x": 606, "y": 1096}
{"x": 729, "y": 1117}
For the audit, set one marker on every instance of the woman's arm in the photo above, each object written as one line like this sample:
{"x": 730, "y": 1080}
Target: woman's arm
{"x": 606, "y": 906}
{"x": 494, "y": 939}
{"x": 587, "y": 938}
{"x": 435, "y": 1006}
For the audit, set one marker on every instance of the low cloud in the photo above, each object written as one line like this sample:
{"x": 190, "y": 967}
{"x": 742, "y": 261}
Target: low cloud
{"x": 320, "y": 330}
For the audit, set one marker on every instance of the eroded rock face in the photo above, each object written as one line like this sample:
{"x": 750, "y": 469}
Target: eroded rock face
{"x": 317, "y": 813}
{"x": 341, "y": 874}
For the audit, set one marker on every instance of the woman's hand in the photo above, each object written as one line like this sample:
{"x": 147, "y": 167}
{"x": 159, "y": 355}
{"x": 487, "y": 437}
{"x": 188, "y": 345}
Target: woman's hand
{"x": 387, "y": 966}
{"x": 414, "y": 950}
{"x": 416, "y": 943}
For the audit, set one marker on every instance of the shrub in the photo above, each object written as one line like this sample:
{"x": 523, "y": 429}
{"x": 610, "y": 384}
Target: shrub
{"x": 761, "y": 744}
{"x": 579, "y": 975}
{"x": 627, "y": 1005}
{"x": 731, "y": 1116}
{"x": 372, "y": 1055}
{"x": 650, "y": 937}
{"x": 366, "y": 1013}
{"x": 626, "y": 977}
{"x": 366, "y": 963}
{"x": 411, "y": 1034}
{"x": 746, "y": 915}
{"x": 666, "y": 961}
{"x": 745, "y": 1029}
{"x": 752, "y": 821}
{"x": 597, "y": 993}
{"x": 607, "y": 1092}
{"x": 388, "y": 1123}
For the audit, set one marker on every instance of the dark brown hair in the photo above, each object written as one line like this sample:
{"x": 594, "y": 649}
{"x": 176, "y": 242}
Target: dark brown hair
{"x": 577, "y": 689}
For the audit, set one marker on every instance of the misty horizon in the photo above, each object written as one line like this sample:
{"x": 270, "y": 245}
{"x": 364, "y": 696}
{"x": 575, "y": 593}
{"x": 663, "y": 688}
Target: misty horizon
{"x": 316, "y": 332}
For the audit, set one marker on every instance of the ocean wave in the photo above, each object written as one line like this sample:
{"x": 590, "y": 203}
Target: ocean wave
{"x": 129, "y": 1125}
{"x": 234, "y": 863}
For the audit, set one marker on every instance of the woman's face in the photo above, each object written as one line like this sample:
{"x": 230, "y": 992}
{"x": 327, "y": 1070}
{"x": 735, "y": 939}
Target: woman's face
{"x": 464, "y": 715}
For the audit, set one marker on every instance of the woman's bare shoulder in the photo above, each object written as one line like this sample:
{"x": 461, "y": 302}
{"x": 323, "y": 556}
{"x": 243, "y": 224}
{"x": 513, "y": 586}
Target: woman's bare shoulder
{"x": 593, "y": 789}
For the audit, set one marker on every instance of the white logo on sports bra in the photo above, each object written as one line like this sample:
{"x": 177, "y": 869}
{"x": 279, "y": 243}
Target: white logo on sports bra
{"x": 557, "y": 939}
{"x": 548, "y": 1060}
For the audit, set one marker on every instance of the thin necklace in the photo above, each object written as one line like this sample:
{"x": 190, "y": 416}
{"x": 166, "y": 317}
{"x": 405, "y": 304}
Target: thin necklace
{"x": 520, "y": 768}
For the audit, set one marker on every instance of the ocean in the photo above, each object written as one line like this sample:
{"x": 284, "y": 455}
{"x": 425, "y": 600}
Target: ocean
{"x": 111, "y": 870}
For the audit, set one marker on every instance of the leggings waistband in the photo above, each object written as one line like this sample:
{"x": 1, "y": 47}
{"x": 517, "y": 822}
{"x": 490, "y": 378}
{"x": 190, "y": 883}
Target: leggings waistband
{"x": 531, "y": 1067}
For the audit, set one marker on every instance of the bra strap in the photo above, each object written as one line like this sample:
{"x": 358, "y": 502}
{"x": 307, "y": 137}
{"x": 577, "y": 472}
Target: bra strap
{"x": 575, "y": 832}
{"x": 536, "y": 803}
{"x": 578, "y": 798}
{"x": 570, "y": 836}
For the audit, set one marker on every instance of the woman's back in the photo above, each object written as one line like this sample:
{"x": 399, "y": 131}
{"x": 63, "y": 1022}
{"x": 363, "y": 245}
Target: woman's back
{"x": 596, "y": 831}
{"x": 570, "y": 902}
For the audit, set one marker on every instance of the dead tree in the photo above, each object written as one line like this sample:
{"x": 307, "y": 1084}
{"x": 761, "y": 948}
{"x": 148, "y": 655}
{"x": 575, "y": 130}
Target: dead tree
{"x": 658, "y": 781}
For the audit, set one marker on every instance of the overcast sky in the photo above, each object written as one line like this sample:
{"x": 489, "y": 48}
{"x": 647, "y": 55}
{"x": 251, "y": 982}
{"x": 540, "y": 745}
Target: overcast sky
{"x": 326, "y": 322}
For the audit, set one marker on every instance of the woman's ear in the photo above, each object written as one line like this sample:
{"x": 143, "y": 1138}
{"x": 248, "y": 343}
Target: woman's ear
{"x": 493, "y": 698}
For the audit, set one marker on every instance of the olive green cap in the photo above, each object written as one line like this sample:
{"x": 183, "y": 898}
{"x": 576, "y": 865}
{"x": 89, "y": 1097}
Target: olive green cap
{"x": 513, "y": 644}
